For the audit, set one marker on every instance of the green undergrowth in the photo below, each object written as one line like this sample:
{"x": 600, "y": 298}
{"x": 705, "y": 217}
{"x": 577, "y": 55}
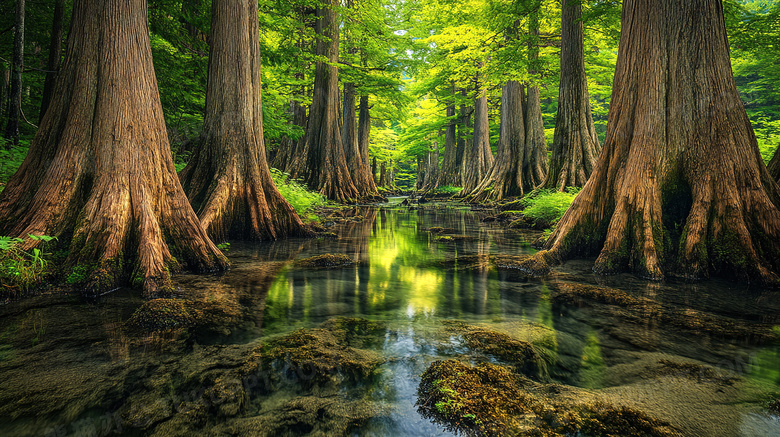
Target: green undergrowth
{"x": 547, "y": 206}
{"x": 20, "y": 270}
{"x": 301, "y": 198}
{"x": 448, "y": 189}
{"x": 11, "y": 157}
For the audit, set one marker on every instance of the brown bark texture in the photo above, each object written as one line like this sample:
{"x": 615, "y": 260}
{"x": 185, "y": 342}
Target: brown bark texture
{"x": 450, "y": 171}
{"x": 352, "y": 137}
{"x": 478, "y": 159}
{"x": 99, "y": 174}
{"x": 364, "y": 134}
{"x": 774, "y": 165}
{"x": 55, "y": 53}
{"x": 431, "y": 176}
{"x": 17, "y": 67}
{"x": 505, "y": 178}
{"x": 680, "y": 188}
{"x": 322, "y": 163}
{"x": 535, "y": 165}
{"x": 227, "y": 180}
{"x": 575, "y": 145}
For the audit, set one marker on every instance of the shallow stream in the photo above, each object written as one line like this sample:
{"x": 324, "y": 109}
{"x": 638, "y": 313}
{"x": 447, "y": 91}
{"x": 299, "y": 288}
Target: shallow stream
{"x": 704, "y": 357}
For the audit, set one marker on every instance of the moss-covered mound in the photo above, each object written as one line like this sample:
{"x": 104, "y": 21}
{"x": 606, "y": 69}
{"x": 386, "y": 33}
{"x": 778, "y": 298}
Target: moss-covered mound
{"x": 574, "y": 293}
{"x": 163, "y": 314}
{"x": 518, "y": 353}
{"x": 326, "y": 261}
{"x": 323, "y": 355}
{"x": 489, "y": 400}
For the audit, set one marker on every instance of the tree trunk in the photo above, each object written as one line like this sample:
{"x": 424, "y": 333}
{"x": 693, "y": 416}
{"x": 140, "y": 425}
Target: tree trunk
{"x": 535, "y": 160}
{"x": 227, "y": 180}
{"x": 15, "y": 106}
{"x": 575, "y": 145}
{"x": 322, "y": 163}
{"x": 450, "y": 172}
{"x": 5, "y": 82}
{"x": 774, "y": 165}
{"x": 680, "y": 188}
{"x": 354, "y": 141}
{"x": 506, "y": 175}
{"x": 431, "y": 168}
{"x": 99, "y": 174}
{"x": 373, "y": 167}
{"x": 383, "y": 182}
{"x": 478, "y": 158}
{"x": 464, "y": 132}
{"x": 55, "y": 53}
{"x": 288, "y": 149}
{"x": 420, "y": 173}
{"x": 364, "y": 134}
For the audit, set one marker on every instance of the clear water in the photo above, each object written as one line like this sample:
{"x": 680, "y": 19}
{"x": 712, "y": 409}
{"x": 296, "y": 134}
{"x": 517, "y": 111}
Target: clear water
{"x": 66, "y": 368}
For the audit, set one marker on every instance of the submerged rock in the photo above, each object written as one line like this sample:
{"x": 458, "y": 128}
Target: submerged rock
{"x": 490, "y": 400}
{"x": 326, "y": 261}
{"x": 520, "y": 354}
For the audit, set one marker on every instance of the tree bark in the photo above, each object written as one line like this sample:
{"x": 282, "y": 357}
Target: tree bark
{"x": 535, "y": 160}
{"x": 5, "y": 82}
{"x": 774, "y": 166}
{"x": 55, "y": 53}
{"x": 322, "y": 163}
{"x": 450, "y": 171}
{"x": 364, "y": 134}
{"x": 505, "y": 178}
{"x": 352, "y": 137}
{"x": 373, "y": 167}
{"x": 15, "y": 106}
{"x": 383, "y": 181}
{"x": 478, "y": 158}
{"x": 99, "y": 174}
{"x": 680, "y": 188}
{"x": 431, "y": 168}
{"x": 464, "y": 132}
{"x": 227, "y": 180}
{"x": 575, "y": 145}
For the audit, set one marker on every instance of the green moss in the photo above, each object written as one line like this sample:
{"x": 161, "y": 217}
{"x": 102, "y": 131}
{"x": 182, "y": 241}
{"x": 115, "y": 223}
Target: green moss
{"x": 520, "y": 354}
{"x": 573, "y": 292}
{"x": 490, "y": 400}
{"x": 326, "y": 261}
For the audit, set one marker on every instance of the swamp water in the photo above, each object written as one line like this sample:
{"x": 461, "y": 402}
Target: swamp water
{"x": 231, "y": 358}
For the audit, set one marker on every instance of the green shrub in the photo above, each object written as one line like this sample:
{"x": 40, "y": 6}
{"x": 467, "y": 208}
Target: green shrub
{"x": 11, "y": 157}
{"x": 302, "y": 200}
{"x": 548, "y": 205}
{"x": 21, "y": 269}
{"x": 448, "y": 189}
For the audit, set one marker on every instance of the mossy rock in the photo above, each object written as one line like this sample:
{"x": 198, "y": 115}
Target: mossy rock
{"x": 490, "y": 400}
{"x": 520, "y": 354}
{"x": 444, "y": 239}
{"x": 326, "y": 261}
{"x": 510, "y": 262}
{"x": 694, "y": 371}
{"x": 774, "y": 407}
{"x": 518, "y": 224}
{"x": 163, "y": 315}
{"x": 308, "y": 415}
{"x": 574, "y": 293}
{"x": 440, "y": 230}
{"x": 322, "y": 356}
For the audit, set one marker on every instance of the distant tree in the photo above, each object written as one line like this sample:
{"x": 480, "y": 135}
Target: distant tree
{"x": 478, "y": 158}
{"x": 680, "y": 189}
{"x": 322, "y": 163}
{"x": 227, "y": 180}
{"x": 575, "y": 144}
{"x": 55, "y": 54}
{"x": 17, "y": 67}
{"x": 99, "y": 174}
{"x": 450, "y": 171}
